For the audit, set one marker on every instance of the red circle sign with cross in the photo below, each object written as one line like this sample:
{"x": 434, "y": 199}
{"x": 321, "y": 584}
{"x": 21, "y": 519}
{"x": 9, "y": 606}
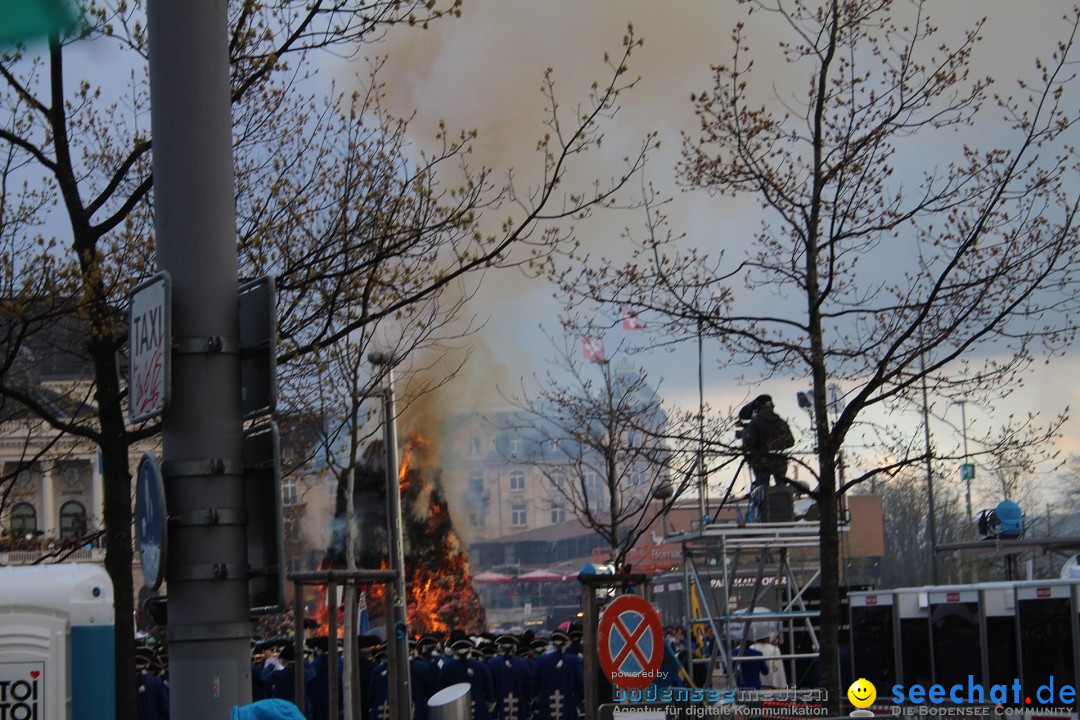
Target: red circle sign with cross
{"x": 630, "y": 642}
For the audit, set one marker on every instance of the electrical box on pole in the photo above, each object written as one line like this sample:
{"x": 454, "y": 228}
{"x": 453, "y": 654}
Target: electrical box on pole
{"x": 258, "y": 347}
{"x": 262, "y": 489}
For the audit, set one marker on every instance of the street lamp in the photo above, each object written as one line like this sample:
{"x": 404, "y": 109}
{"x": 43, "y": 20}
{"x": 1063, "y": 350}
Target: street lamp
{"x": 397, "y": 642}
{"x": 967, "y": 470}
{"x": 806, "y": 402}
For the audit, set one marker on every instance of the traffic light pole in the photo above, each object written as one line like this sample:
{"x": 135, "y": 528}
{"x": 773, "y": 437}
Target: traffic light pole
{"x": 195, "y": 227}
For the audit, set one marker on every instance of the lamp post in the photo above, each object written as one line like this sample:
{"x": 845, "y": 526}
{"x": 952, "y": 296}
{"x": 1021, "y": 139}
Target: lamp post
{"x": 806, "y": 402}
{"x": 967, "y": 470}
{"x": 703, "y": 500}
{"x": 931, "y": 529}
{"x": 397, "y": 642}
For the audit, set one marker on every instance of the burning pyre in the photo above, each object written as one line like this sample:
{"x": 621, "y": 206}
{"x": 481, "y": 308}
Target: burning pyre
{"x": 439, "y": 590}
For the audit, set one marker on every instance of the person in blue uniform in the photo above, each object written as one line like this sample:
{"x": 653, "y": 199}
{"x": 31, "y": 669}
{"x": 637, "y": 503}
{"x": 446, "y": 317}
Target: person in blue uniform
{"x": 379, "y": 690}
{"x": 259, "y": 656}
{"x": 750, "y": 671}
{"x": 575, "y": 632}
{"x": 428, "y": 649}
{"x": 152, "y": 695}
{"x": 367, "y": 646}
{"x": 461, "y": 667}
{"x": 279, "y": 677}
{"x": 317, "y": 686}
{"x": 513, "y": 681}
{"x": 422, "y": 679}
{"x": 560, "y": 682}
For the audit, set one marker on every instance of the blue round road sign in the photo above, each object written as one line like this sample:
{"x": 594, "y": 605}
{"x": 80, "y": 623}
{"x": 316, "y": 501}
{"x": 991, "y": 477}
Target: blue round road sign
{"x": 630, "y": 641}
{"x": 150, "y": 520}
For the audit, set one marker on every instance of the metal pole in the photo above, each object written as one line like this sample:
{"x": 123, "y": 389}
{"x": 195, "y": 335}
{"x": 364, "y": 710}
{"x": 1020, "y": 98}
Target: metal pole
{"x": 967, "y": 479}
{"x": 350, "y": 588}
{"x": 930, "y": 526}
{"x": 592, "y": 674}
{"x": 298, "y": 642}
{"x": 195, "y": 226}
{"x": 331, "y": 646}
{"x": 398, "y": 643}
{"x": 702, "y": 489}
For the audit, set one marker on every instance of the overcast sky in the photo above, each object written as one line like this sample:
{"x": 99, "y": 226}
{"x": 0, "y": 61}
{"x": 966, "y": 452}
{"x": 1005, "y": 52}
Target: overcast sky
{"x": 484, "y": 71}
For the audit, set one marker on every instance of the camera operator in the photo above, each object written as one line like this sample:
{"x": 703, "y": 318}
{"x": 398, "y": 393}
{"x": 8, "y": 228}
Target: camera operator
{"x": 765, "y": 437}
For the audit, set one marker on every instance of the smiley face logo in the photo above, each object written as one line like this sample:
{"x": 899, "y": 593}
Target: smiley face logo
{"x": 862, "y": 693}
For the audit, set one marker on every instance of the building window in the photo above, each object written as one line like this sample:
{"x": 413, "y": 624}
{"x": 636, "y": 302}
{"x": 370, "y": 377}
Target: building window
{"x": 594, "y": 488}
{"x": 558, "y": 481}
{"x": 558, "y": 514}
{"x": 476, "y": 445}
{"x": 23, "y": 520}
{"x": 72, "y": 520}
{"x": 515, "y": 446}
{"x": 290, "y": 491}
{"x": 517, "y": 480}
{"x": 518, "y": 515}
{"x": 476, "y": 519}
{"x": 476, "y": 483}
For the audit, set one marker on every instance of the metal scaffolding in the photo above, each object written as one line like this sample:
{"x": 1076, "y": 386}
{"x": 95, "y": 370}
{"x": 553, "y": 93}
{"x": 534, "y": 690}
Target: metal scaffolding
{"x": 767, "y": 546}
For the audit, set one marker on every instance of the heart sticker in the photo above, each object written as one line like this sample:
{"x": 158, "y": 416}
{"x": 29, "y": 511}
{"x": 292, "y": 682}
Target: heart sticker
{"x": 34, "y": 674}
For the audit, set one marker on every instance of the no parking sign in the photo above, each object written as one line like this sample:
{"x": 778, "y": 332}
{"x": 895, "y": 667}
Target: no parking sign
{"x": 630, "y": 642}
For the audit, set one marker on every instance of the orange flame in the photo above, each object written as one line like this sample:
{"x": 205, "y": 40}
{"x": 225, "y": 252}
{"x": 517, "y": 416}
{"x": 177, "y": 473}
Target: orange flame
{"x": 322, "y": 610}
{"x": 439, "y": 588}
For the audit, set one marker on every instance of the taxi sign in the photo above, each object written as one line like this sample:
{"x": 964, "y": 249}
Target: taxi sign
{"x": 149, "y": 337}
{"x": 630, "y": 641}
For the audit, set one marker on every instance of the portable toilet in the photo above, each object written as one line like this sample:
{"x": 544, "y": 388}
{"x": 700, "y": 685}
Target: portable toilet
{"x": 56, "y": 642}
{"x": 1046, "y": 617}
{"x": 997, "y": 608}
{"x": 955, "y": 634}
{"x": 872, "y": 628}
{"x": 913, "y": 656}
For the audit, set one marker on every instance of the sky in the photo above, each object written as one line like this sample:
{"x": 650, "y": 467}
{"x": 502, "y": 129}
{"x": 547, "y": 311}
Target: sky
{"x": 484, "y": 71}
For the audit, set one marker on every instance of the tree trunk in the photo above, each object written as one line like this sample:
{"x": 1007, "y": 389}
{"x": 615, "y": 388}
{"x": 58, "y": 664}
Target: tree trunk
{"x": 118, "y": 551}
{"x": 828, "y": 547}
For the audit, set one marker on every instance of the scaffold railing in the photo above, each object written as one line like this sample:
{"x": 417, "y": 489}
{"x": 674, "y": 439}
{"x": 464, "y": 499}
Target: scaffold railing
{"x": 730, "y": 541}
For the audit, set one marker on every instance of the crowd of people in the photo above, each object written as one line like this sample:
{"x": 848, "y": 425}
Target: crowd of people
{"x": 523, "y": 676}
{"x": 512, "y": 677}
{"x": 39, "y": 542}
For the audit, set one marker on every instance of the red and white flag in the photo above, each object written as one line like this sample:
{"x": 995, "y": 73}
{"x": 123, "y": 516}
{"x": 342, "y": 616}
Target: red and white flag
{"x": 592, "y": 349}
{"x": 630, "y": 319}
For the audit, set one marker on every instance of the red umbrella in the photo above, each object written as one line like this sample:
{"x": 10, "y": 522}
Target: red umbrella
{"x": 492, "y": 577}
{"x": 541, "y": 576}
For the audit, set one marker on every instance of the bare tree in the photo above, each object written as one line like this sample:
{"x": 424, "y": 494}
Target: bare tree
{"x": 899, "y": 285}
{"x": 601, "y": 438}
{"x": 907, "y": 538}
{"x": 1070, "y": 485}
{"x": 76, "y": 205}
{"x": 1012, "y": 474}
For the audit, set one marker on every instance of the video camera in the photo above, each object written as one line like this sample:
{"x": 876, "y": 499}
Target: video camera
{"x": 746, "y": 413}
{"x": 740, "y": 427}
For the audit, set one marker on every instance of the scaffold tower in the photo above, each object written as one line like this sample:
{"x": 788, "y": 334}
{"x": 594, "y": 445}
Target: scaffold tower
{"x": 777, "y": 593}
